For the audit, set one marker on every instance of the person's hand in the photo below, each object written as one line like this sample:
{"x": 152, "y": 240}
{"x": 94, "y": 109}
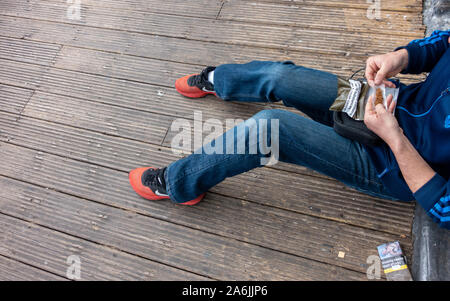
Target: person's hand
{"x": 381, "y": 67}
{"x": 383, "y": 122}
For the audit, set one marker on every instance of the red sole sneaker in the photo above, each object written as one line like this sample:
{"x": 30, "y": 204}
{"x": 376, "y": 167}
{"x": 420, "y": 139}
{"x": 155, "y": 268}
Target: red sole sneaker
{"x": 182, "y": 86}
{"x": 194, "y": 201}
{"x": 135, "y": 177}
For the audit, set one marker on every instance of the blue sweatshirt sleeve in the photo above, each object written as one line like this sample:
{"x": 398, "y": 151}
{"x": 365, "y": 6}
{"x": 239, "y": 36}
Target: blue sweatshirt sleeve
{"x": 425, "y": 53}
{"x": 434, "y": 197}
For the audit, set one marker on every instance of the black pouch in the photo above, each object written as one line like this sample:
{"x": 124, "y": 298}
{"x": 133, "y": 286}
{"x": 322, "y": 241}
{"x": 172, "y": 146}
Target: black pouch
{"x": 353, "y": 129}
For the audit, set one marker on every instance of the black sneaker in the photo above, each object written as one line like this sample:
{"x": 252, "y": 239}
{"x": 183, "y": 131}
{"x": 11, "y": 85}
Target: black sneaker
{"x": 149, "y": 182}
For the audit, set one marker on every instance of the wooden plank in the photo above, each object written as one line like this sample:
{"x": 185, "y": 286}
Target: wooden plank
{"x": 150, "y": 238}
{"x": 12, "y": 270}
{"x": 228, "y": 32}
{"x": 28, "y": 51}
{"x": 13, "y": 99}
{"x": 398, "y": 5}
{"x": 312, "y": 197}
{"x": 122, "y": 122}
{"x": 159, "y": 47}
{"x": 210, "y": 8}
{"x": 84, "y": 145}
{"x": 48, "y": 250}
{"x": 81, "y": 112}
{"x": 306, "y": 15}
{"x": 164, "y": 48}
{"x": 12, "y": 74}
{"x": 194, "y": 8}
{"x": 326, "y": 18}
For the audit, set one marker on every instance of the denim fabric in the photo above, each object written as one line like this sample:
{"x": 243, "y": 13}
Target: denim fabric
{"x": 302, "y": 141}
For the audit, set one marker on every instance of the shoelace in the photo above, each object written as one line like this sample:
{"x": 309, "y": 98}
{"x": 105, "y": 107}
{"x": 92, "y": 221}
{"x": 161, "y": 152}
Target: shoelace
{"x": 201, "y": 80}
{"x": 153, "y": 179}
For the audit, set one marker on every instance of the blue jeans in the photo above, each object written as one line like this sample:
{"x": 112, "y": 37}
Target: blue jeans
{"x": 311, "y": 143}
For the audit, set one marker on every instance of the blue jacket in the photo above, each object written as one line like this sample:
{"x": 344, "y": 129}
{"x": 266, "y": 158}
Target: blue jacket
{"x": 423, "y": 112}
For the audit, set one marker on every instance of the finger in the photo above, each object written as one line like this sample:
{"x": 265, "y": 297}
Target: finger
{"x": 392, "y": 104}
{"x": 381, "y": 75}
{"x": 380, "y": 109}
{"x": 388, "y": 100}
{"x": 369, "y": 106}
{"x": 371, "y": 70}
{"x": 389, "y": 84}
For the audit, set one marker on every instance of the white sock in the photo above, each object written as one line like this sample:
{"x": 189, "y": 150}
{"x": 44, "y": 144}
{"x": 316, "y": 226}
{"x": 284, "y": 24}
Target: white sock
{"x": 211, "y": 77}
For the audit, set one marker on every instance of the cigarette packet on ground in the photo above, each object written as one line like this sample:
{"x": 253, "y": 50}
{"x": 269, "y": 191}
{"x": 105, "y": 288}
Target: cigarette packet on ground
{"x": 394, "y": 262}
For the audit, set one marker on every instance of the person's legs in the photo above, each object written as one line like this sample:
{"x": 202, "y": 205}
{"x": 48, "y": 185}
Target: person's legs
{"x": 301, "y": 141}
{"x": 310, "y": 91}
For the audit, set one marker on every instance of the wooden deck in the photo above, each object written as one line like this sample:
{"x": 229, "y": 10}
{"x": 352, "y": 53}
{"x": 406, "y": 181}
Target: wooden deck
{"x": 82, "y": 102}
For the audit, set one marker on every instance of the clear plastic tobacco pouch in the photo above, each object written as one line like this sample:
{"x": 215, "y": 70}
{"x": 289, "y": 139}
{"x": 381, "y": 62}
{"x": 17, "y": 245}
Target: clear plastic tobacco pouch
{"x": 354, "y": 94}
{"x": 349, "y": 108}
